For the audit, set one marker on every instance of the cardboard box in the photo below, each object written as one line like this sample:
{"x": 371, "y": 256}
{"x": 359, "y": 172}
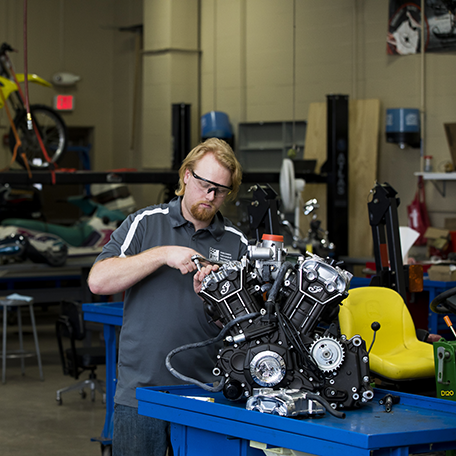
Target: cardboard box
{"x": 442, "y": 273}
{"x": 437, "y": 238}
{"x": 450, "y": 224}
{"x": 436, "y": 233}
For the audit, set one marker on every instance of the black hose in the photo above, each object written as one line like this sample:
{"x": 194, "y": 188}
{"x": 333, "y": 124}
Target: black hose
{"x": 278, "y": 281}
{"x": 326, "y": 405}
{"x": 220, "y": 336}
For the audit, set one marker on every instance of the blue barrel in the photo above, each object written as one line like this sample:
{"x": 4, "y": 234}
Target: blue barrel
{"x": 216, "y": 124}
{"x": 403, "y": 127}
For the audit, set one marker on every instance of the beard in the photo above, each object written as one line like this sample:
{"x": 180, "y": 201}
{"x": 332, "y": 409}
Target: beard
{"x": 201, "y": 213}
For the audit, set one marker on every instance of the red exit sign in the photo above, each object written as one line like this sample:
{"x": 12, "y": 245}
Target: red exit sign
{"x": 64, "y": 102}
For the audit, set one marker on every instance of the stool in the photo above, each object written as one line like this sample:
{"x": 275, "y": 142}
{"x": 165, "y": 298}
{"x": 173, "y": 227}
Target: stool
{"x": 7, "y": 303}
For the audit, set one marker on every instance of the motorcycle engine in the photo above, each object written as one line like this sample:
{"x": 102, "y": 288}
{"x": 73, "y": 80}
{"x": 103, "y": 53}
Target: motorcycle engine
{"x": 290, "y": 341}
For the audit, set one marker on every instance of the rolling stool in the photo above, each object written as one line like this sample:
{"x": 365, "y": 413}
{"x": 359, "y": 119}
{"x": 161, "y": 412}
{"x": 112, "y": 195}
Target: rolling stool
{"x": 19, "y": 302}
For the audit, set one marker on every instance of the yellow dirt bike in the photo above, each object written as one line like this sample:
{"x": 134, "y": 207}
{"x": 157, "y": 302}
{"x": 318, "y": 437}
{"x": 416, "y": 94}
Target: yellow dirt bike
{"x": 43, "y": 145}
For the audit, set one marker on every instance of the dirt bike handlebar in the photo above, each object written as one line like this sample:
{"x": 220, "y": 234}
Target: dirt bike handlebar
{"x": 5, "y": 47}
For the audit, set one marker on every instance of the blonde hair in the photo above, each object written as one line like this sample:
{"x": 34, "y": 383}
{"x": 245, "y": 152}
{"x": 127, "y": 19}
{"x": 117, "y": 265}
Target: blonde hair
{"x": 222, "y": 153}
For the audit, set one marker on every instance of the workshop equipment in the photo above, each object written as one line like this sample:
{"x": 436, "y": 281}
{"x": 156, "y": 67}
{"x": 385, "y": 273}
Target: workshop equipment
{"x": 403, "y": 127}
{"x": 384, "y": 221}
{"x": 78, "y": 359}
{"x": 16, "y": 301}
{"x": 449, "y": 324}
{"x": 388, "y": 401}
{"x": 445, "y": 369}
{"x": 397, "y": 356}
{"x": 288, "y": 341}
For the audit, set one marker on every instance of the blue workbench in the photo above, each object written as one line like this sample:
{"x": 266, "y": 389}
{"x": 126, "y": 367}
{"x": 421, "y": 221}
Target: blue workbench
{"x": 417, "y": 424}
{"x": 199, "y": 427}
{"x": 111, "y": 315}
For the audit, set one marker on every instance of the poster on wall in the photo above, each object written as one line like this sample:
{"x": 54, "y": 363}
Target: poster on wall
{"x": 404, "y": 26}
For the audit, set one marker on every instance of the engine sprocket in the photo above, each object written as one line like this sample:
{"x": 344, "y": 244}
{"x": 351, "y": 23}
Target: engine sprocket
{"x": 328, "y": 353}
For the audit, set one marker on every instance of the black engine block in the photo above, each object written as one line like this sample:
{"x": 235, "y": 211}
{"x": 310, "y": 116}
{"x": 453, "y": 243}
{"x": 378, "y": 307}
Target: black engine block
{"x": 284, "y": 335}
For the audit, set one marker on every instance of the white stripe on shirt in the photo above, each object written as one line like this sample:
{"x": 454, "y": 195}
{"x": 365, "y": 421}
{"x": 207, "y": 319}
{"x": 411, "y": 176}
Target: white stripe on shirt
{"x": 239, "y": 233}
{"x": 134, "y": 225}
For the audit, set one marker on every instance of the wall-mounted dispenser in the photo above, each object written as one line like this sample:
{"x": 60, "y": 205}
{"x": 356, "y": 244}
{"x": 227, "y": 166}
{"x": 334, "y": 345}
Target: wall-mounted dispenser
{"x": 403, "y": 127}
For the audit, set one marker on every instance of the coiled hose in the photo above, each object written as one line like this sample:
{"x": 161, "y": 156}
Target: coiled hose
{"x": 220, "y": 336}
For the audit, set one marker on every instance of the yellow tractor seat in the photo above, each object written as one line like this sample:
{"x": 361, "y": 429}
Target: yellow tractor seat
{"x": 397, "y": 354}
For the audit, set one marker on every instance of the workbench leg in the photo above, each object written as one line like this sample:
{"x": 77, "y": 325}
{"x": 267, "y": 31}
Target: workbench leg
{"x": 109, "y": 332}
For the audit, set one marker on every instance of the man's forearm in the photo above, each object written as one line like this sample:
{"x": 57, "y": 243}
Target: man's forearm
{"x": 114, "y": 275}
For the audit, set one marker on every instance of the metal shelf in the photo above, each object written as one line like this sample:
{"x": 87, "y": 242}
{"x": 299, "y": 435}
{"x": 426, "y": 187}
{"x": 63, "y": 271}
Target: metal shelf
{"x": 438, "y": 177}
{"x": 151, "y": 176}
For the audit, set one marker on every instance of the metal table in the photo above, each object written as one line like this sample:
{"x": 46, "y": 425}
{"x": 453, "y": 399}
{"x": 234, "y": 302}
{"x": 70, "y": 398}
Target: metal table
{"x": 110, "y": 314}
{"x": 417, "y": 424}
{"x": 47, "y": 284}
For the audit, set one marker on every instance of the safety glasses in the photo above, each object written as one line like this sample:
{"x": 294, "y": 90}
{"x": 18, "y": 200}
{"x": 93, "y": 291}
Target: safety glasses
{"x": 207, "y": 186}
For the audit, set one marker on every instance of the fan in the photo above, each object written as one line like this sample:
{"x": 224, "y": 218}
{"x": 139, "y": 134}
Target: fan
{"x": 290, "y": 191}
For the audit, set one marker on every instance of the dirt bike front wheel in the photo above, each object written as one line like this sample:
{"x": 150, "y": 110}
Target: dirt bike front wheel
{"x": 52, "y": 130}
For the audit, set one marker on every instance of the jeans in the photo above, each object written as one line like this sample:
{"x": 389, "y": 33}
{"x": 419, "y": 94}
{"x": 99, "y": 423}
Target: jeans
{"x": 138, "y": 435}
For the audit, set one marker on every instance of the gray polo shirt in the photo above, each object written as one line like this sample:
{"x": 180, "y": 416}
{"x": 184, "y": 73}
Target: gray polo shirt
{"x": 162, "y": 311}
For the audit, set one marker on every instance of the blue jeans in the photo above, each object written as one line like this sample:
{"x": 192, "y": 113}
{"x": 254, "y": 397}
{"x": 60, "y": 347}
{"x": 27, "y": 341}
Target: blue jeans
{"x": 138, "y": 435}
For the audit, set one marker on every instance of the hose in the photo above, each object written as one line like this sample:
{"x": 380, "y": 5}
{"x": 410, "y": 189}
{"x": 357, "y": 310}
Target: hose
{"x": 326, "y": 405}
{"x": 27, "y": 102}
{"x": 278, "y": 281}
{"x": 220, "y": 336}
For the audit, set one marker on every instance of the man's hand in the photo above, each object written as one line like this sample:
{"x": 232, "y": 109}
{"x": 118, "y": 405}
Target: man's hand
{"x": 180, "y": 258}
{"x": 201, "y": 274}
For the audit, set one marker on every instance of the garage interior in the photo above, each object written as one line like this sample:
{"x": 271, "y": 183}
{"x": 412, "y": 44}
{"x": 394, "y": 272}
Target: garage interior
{"x": 286, "y": 83}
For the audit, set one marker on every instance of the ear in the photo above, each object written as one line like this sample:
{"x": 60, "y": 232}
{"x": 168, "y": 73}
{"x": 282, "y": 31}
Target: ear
{"x": 186, "y": 176}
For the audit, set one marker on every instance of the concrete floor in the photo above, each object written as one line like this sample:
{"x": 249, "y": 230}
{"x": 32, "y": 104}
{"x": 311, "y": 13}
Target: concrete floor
{"x": 31, "y": 421}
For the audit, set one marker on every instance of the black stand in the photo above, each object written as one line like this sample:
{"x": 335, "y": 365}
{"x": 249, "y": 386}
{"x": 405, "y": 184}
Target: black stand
{"x": 263, "y": 211}
{"x": 383, "y": 219}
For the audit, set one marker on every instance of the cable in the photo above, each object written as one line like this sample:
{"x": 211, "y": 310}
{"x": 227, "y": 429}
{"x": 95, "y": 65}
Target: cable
{"x": 219, "y": 337}
{"x": 27, "y": 102}
{"x": 278, "y": 281}
{"x": 326, "y": 405}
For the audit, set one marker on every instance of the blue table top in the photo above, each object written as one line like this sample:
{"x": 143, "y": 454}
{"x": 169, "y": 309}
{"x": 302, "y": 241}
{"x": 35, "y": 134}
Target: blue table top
{"x": 415, "y": 420}
{"x": 104, "y": 312}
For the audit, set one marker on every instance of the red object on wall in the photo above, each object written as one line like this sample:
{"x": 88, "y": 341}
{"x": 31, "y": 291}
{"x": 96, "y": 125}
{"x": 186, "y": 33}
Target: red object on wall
{"x": 64, "y": 102}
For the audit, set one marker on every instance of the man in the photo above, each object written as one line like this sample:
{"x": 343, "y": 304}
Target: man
{"x": 149, "y": 256}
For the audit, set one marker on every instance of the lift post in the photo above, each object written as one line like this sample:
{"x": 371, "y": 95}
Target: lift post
{"x": 383, "y": 219}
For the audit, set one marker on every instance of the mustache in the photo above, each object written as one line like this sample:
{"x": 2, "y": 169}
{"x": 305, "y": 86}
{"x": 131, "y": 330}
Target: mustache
{"x": 207, "y": 203}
